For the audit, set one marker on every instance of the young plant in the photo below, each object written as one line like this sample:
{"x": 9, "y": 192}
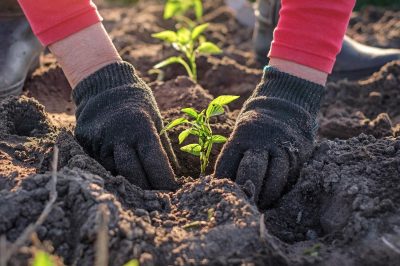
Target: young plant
{"x": 42, "y": 258}
{"x": 199, "y": 126}
{"x": 190, "y": 43}
{"x": 177, "y": 10}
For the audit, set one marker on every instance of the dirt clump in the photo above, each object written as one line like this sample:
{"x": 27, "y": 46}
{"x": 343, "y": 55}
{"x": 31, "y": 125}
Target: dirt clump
{"x": 348, "y": 198}
{"x": 369, "y": 106}
{"x": 26, "y": 133}
{"x": 374, "y": 26}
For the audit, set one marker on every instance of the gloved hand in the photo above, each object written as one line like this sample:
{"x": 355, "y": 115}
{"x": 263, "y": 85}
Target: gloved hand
{"x": 273, "y": 135}
{"x": 118, "y": 123}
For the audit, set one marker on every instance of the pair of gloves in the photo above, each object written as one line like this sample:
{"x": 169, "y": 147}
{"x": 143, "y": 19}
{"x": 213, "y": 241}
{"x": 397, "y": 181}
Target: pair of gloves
{"x": 118, "y": 123}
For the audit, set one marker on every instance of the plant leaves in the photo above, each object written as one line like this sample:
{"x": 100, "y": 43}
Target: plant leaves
{"x": 190, "y": 112}
{"x": 169, "y": 61}
{"x": 175, "y": 60}
{"x": 183, "y": 135}
{"x": 200, "y": 118}
{"x": 193, "y": 149}
{"x": 198, "y": 9}
{"x": 133, "y": 262}
{"x": 202, "y": 39}
{"x": 208, "y": 48}
{"x": 184, "y": 35}
{"x": 216, "y": 106}
{"x": 224, "y": 99}
{"x": 168, "y": 36}
{"x": 218, "y": 139}
{"x": 42, "y": 259}
{"x": 214, "y": 110}
{"x": 170, "y": 9}
{"x": 199, "y": 30}
{"x": 173, "y": 124}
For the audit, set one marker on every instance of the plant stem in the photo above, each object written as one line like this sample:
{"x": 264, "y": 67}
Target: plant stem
{"x": 187, "y": 67}
{"x": 194, "y": 67}
{"x": 208, "y": 155}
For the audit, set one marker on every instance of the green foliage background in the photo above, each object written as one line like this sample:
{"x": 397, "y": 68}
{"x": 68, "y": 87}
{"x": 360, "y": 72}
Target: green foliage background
{"x": 363, "y": 3}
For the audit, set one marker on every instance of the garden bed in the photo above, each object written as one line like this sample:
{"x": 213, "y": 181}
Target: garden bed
{"x": 344, "y": 208}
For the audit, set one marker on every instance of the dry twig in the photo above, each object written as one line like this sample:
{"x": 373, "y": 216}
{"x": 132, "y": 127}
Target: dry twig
{"x": 3, "y": 244}
{"x": 390, "y": 245}
{"x": 262, "y": 228}
{"x": 101, "y": 258}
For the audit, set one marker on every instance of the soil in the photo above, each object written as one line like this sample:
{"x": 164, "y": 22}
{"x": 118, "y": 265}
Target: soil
{"x": 343, "y": 210}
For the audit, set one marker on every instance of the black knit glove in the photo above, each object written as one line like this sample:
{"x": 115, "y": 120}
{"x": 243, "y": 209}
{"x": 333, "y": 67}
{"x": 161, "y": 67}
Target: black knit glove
{"x": 118, "y": 123}
{"x": 273, "y": 136}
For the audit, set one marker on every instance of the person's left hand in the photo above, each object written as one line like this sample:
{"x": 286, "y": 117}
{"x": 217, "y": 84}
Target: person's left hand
{"x": 273, "y": 136}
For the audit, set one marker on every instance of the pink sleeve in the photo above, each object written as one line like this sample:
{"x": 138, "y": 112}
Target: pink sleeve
{"x": 53, "y": 20}
{"x": 311, "y": 32}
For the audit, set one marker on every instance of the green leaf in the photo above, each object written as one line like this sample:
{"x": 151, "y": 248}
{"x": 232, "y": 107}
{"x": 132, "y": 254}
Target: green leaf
{"x": 175, "y": 60}
{"x": 169, "y": 61}
{"x": 184, "y": 35}
{"x": 199, "y": 30}
{"x": 190, "y": 112}
{"x": 198, "y": 9}
{"x": 169, "y": 10}
{"x": 193, "y": 149}
{"x": 183, "y": 135}
{"x": 216, "y": 106}
{"x": 133, "y": 262}
{"x": 173, "y": 124}
{"x": 202, "y": 39}
{"x": 42, "y": 259}
{"x": 214, "y": 110}
{"x": 208, "y": 48}
{"x": 200, "y": 118}
{"x": 172, "y": 8}
{"x": 168, "y": 36}
{"x": 218, "y": 139}
{"x": 224, "y": 99}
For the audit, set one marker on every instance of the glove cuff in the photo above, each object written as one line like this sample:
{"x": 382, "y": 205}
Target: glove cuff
{"x": 109, "y": 77}
{"x": 304, "y": 93}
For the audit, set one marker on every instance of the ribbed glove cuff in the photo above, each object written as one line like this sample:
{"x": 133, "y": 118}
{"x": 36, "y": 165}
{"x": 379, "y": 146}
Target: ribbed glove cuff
{"x": 304, "y": 93}
{"x": 109, "y": 77}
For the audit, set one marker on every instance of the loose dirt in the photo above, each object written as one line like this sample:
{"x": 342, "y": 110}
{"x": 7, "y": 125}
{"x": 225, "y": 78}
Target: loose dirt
{"x": 343, "y": 210}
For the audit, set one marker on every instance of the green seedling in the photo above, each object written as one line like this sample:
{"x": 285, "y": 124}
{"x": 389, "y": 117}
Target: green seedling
{"x": 42, "y": 258}
{"x": 199, "y": 126}
{"x": 177, "y": 9}
{"x": 133, "y": 262}
{"x": 190, "y": 43}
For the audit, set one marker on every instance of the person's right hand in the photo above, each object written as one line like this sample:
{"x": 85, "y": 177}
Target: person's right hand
{"x": 118, "y": 123}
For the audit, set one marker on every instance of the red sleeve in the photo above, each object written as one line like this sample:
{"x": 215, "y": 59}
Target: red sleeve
{"x": 311, "y": 32}
{"x": 53, "y": 20}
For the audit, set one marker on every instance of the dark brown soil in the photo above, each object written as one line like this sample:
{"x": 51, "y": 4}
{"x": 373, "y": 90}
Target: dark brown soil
{"x": 343, "y": 210}
{"x": 376, "y": 26}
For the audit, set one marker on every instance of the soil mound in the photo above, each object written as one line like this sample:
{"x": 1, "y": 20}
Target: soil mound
{"x": 343, "y": 207}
